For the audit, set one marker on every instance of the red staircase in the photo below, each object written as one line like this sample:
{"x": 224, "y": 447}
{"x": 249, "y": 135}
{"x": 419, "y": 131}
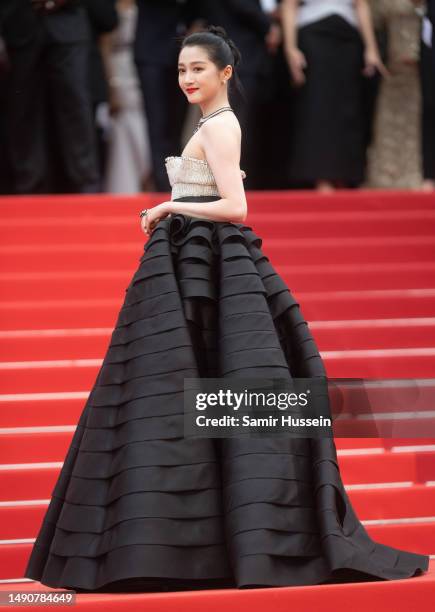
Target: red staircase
{"x": 361, "y": 264}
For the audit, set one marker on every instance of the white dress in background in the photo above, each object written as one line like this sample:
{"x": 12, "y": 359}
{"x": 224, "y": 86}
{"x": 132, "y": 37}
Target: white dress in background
{"x": 315, "y": 10}
{"x": 129, "y": 154}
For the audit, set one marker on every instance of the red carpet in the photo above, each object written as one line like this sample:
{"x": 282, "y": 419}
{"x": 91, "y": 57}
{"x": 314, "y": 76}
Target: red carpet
{"x": 362, "y": 266}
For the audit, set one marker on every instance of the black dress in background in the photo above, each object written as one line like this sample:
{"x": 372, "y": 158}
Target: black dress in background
{"x": 328, "y": 129}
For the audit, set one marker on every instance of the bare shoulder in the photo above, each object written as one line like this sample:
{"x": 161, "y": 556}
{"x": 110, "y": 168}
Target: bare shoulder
{"x": 222, "y": 131}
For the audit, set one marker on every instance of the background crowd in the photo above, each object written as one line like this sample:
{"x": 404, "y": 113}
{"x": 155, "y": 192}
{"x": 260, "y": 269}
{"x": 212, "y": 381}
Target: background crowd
{"x": 337, "y": 93}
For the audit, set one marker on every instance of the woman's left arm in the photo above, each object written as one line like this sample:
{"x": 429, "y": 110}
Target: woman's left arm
{"x": 222, "y": 150}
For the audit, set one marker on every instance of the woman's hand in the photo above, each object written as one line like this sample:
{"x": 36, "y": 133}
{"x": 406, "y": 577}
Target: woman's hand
{"x": 297, "y": 63}
{"x": 148, "y": 222}
{"x": 273, "y": 38}
{"x": 373, "y": 63}
{"x": 115, "y": 103}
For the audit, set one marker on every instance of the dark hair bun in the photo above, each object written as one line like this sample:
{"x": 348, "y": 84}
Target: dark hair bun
{"x": 219, "y": 31}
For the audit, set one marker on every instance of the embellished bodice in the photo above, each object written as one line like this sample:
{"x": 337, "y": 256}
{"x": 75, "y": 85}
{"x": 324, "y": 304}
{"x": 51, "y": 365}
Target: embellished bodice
{"x": 189, "y": 176}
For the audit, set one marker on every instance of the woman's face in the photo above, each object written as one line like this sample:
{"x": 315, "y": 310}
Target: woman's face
{"x": 199, "y": 78}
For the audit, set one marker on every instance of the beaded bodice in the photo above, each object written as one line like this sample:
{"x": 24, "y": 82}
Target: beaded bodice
{"x": 189, "y": 176}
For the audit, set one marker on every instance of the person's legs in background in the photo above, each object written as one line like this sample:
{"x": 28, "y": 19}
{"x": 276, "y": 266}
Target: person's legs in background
{"x": 244, "y": 108}
{"x": 5, "y": 169}
{"x": 25, "y": 126}
{"x": 67, "y": 66}
{"x": 427, "y": 79}
{"x": 165, "y": 110}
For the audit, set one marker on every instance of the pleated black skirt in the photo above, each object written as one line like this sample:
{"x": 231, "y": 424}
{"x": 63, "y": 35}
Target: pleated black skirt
{"x": 138, "y": 507}
{"x": 327, "y": 137}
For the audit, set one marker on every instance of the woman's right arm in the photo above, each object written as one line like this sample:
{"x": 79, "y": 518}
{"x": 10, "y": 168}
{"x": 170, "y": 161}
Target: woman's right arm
{"x": 295, "y": 58}
{"x": 372, "y": 58}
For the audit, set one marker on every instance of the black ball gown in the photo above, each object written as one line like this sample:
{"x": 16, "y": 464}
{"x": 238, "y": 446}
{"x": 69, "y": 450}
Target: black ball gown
{"x": 139, "y": 507}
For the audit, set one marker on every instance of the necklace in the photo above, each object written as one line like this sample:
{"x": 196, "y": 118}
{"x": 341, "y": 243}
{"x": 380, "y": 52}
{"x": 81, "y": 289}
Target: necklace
{"x": 213, "y": 114}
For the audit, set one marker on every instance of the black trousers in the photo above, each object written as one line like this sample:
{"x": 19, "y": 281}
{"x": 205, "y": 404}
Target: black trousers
{"x": 244, "y": 109}
{"x": 263, "y": 115}
{"x": 5, "y": 170}
{"x": 165, "y": 109}
{"x": 427, "y": 76}
{"x": 46, "y": 75}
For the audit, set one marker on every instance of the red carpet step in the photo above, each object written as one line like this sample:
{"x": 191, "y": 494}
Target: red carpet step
{"x": 379, "y": 596}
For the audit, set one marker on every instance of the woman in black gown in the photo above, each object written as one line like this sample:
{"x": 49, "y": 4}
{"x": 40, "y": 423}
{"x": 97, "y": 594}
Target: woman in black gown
{"x": 139, "y": 507}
